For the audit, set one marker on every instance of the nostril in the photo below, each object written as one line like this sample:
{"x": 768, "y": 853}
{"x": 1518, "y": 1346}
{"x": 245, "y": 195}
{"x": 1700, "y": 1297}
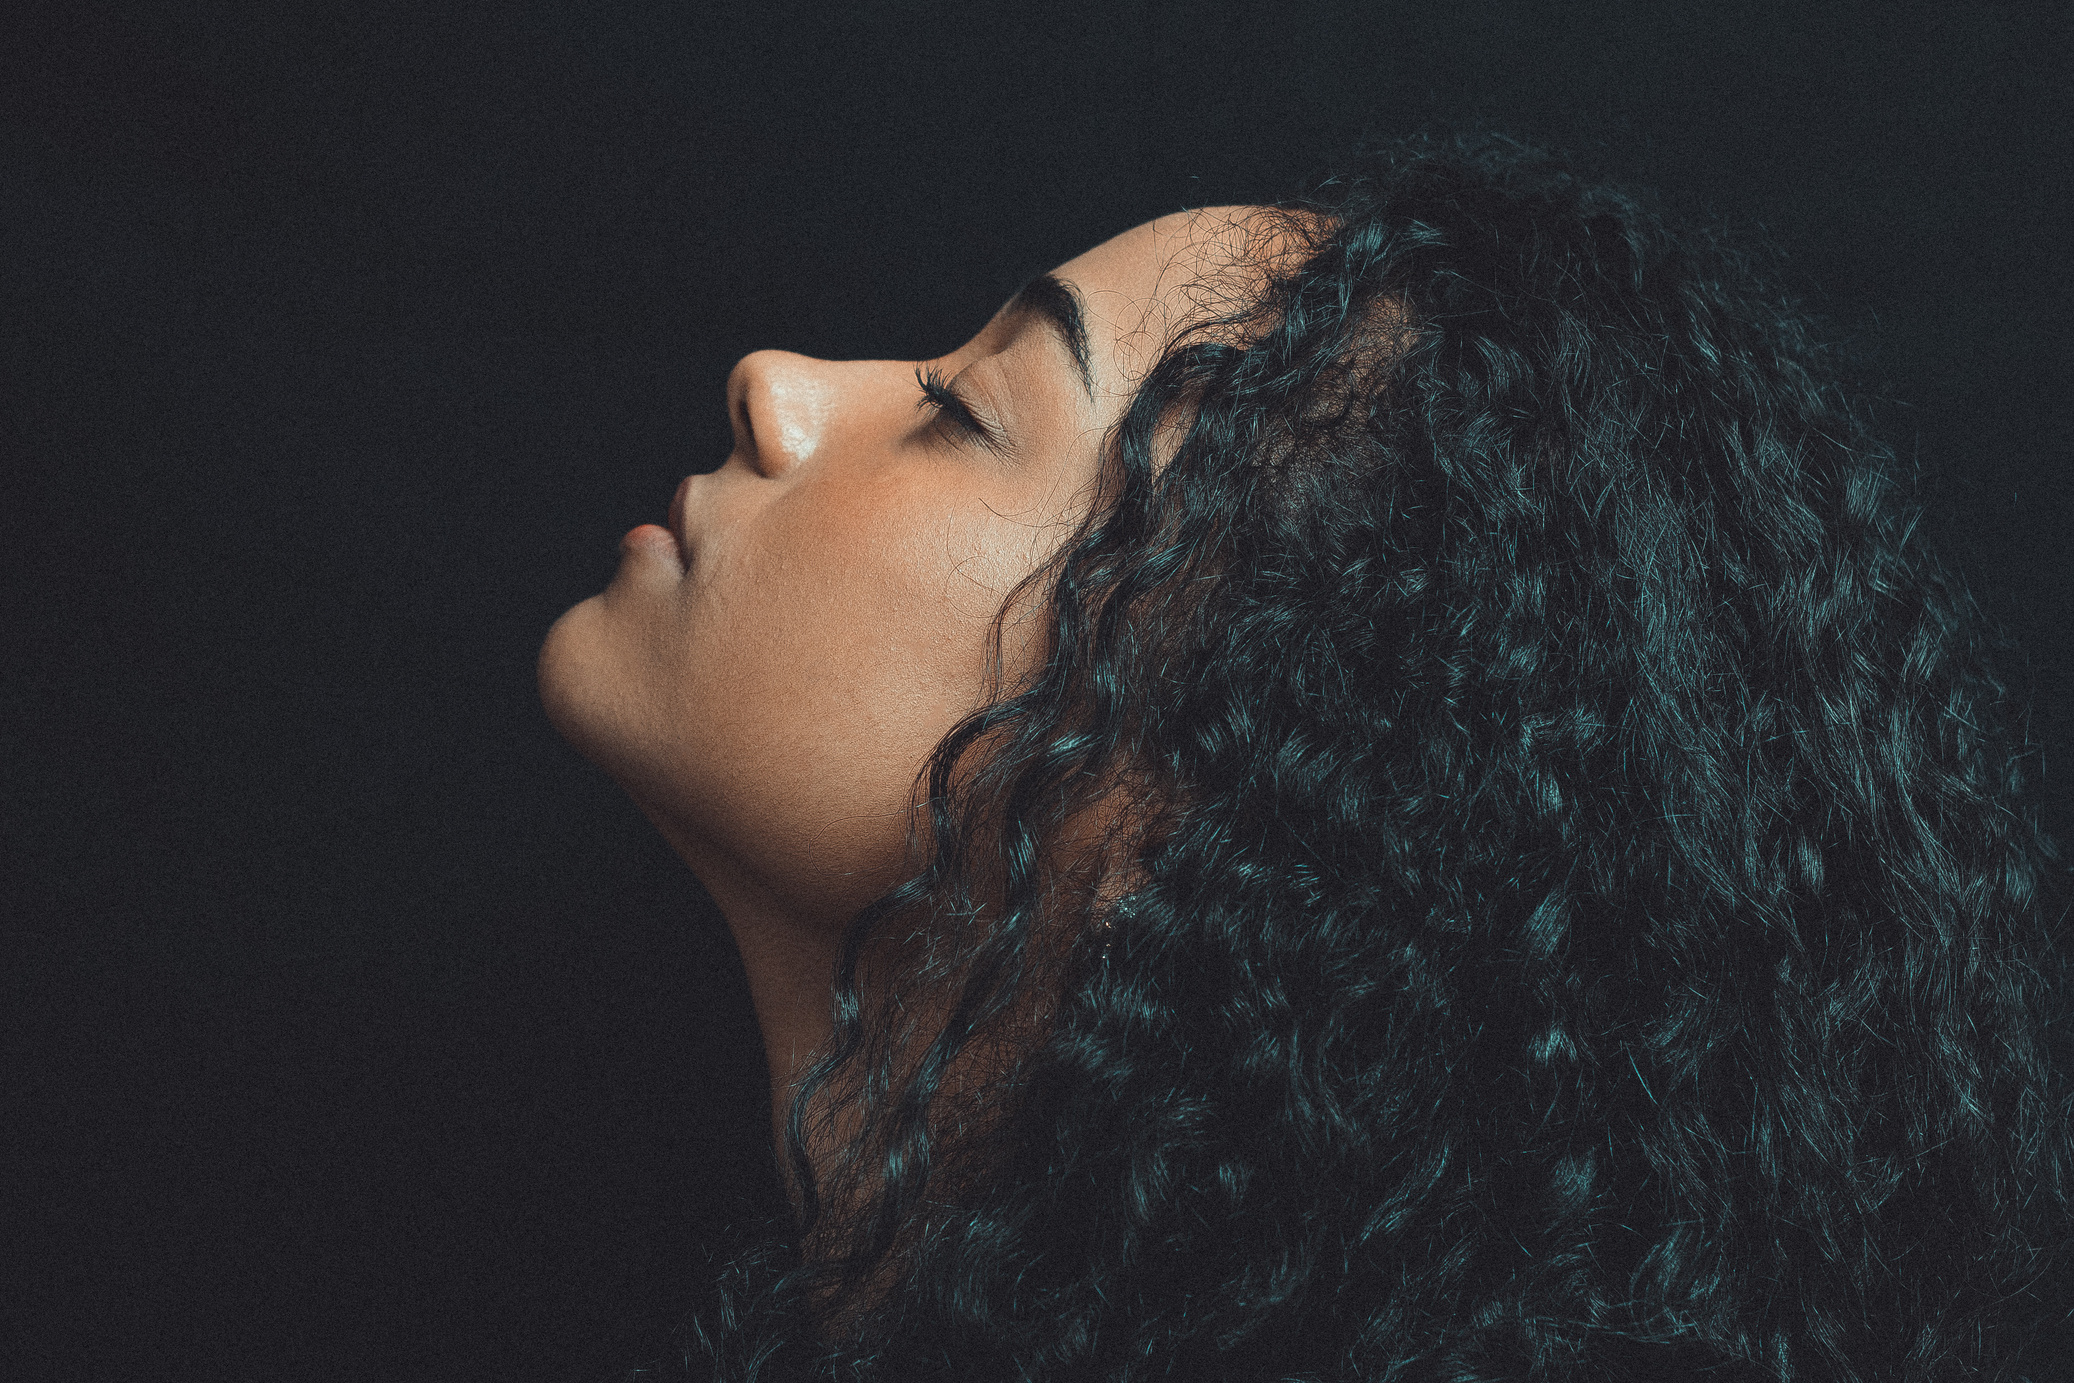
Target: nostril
{"x": 745, "y": 430}
{"x": 737, "y": 395}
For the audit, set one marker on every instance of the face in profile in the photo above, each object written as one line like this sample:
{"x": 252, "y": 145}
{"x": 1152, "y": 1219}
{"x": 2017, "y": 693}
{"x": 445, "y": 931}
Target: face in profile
{"x": 767, "y": 674}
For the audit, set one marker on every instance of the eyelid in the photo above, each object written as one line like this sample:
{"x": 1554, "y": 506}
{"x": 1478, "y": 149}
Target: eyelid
{"x": 945, "y": 398}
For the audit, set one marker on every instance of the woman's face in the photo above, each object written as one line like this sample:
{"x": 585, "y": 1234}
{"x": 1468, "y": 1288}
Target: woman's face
{"x": 767, "y": 675}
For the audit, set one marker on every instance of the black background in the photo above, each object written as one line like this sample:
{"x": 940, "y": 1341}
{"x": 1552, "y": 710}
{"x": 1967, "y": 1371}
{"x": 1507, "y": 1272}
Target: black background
{"x": 355, "y": 1027}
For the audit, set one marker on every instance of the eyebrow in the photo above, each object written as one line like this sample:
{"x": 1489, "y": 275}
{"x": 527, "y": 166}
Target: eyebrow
{"x": 1054, "y": 300}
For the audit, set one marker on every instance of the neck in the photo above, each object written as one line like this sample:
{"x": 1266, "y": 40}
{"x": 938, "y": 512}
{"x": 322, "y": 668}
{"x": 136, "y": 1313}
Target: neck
{"x": 789, "y": 963}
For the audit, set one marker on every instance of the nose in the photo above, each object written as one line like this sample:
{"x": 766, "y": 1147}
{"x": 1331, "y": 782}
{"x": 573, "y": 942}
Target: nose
{"x": 781, "y": 406}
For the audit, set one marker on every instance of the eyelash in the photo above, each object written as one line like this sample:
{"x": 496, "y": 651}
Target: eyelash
{"x": 938, "y": 395}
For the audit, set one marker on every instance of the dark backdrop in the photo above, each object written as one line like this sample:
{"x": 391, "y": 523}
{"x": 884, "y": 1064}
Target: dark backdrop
{"x": 356, "y": 1028}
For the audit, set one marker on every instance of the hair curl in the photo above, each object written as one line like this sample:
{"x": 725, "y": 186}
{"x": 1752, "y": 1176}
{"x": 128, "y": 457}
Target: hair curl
{"x": 1577, "y": 914}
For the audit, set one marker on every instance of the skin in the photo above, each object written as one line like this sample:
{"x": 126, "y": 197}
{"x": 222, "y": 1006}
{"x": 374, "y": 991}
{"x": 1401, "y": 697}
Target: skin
{"x": 769, "y": 702}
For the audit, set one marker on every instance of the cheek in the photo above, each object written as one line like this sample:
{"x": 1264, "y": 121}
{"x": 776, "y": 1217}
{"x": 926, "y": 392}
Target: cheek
{"x": 774, "y": 710}
{"x": 863, "y": 647}
{"x": 888, "y": 603}
{"x": 807, "y": 680}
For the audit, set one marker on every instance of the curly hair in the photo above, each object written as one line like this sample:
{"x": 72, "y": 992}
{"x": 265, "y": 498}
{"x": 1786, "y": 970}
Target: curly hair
{"x": 1572, "y": 907}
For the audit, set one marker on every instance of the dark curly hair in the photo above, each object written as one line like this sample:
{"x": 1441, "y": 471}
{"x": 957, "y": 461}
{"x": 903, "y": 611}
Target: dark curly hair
{"x": 1569, "y": 905}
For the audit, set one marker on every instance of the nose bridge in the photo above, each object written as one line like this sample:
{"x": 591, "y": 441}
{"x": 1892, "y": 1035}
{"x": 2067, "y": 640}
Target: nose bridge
{"x": 782, "y": 406}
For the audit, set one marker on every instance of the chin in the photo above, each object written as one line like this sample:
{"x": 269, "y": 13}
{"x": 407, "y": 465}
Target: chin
{"x": 572, "y": 678}
{"x": 593, "y": 703}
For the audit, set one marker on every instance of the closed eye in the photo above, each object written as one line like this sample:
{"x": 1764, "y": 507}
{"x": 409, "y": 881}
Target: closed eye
{"x": 942, "y": 396}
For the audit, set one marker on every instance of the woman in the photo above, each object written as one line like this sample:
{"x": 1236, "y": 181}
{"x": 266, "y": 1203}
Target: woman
{"x": 1366, "y": 789}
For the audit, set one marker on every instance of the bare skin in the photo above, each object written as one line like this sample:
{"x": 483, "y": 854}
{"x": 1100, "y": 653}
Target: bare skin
{"x": 767, "y": 676}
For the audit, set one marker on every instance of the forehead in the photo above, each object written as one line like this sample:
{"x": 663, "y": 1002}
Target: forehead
{"x": 1144, "y": 286}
